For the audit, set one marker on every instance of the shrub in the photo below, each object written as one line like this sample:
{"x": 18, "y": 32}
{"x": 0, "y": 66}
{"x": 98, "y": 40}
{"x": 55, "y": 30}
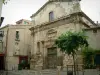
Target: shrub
{"x": 88, "y": 56}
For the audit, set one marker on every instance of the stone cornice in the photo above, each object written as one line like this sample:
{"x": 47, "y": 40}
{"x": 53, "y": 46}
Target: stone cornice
{"x": 72, "y": 18}
{"x": 58, "y": 22}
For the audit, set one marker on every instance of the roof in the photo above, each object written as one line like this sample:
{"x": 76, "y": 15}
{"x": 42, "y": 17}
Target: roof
{"x": 98, "y": 27}
{"x": 4, "y": 27}
{"x": 22, "y": 20}
{"x": 83, "y": 14}
{"x": 40, "y": 9}
{"x": 10, "y": 25}
{"x": 2, "y": 18}
{"x": 46, "y": 4}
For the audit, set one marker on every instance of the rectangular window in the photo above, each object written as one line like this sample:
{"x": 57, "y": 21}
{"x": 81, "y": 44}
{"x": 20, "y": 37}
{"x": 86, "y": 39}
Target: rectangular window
{"x": 17, "y": 35}
{"x": 1, "y": 35}
{"x": 94, "y": 31}
{"x": 38, "y": 46}
{"x": 51, "y": 16}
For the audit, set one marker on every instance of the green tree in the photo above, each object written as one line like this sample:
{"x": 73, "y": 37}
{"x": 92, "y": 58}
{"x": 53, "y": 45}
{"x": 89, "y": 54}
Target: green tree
{"x": 5, "y": 1}
{"x": 70, "y": 42}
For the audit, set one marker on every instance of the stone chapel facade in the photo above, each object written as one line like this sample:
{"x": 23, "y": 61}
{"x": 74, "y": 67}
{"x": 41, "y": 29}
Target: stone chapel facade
{"x": 50, "y": 21}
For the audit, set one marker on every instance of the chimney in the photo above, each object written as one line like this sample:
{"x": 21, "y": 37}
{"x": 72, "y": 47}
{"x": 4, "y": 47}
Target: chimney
{"x": 97, "y": 23}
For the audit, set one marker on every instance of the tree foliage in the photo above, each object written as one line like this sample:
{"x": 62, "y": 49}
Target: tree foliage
{"x": 5, "y": 1}
{"x": 89, "y": 55}
{"x": 70, "y": 42}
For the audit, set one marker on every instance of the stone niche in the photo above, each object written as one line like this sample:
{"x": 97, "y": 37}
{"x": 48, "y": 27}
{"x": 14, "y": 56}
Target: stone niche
{"x": 17, "y": 49}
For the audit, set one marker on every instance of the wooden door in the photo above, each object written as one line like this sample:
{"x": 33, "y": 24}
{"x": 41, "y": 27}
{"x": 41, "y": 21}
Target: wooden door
{"x": 2, "y": 65}
{"x": 52, "y": 58}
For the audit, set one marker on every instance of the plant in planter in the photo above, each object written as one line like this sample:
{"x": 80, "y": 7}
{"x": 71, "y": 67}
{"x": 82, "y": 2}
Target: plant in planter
{"x": 88, "y": 55}
{"x": 23, "y": 65}
{"x": 20, "y": 67}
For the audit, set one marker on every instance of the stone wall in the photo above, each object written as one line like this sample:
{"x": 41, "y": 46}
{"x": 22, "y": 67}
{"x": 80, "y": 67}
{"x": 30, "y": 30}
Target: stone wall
{"x": 93, "y": 38}
{"x": 45, "y": 35}
{"x": 59, "y": 9}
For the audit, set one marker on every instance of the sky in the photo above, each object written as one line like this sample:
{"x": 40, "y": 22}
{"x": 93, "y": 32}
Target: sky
{"x": 23, "y": 9}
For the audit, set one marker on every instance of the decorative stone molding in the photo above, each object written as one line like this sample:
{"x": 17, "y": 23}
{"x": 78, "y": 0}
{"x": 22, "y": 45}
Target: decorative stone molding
{"x": 51, "y": 31}
{"x": 17, "y": 49}
{"x": 51, "y": 34}
{"x": 49, "y": 43}
{"x": 58, "y": 22}
{"x": 37, "y": 60}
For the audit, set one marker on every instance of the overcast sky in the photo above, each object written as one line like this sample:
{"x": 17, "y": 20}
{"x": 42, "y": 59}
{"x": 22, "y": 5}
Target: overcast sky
{"x": 23, "y": 9}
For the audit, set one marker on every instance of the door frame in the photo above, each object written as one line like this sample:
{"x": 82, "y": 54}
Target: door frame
{"x": 54, "y": 54}
{"x": 3, "y": 61}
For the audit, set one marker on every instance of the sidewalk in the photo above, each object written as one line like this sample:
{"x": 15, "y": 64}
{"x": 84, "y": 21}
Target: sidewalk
{"x": 48, "y": 72}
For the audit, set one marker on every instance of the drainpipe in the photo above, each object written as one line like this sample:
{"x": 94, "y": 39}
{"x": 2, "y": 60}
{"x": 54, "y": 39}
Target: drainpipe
{"x": 6, "y": 47}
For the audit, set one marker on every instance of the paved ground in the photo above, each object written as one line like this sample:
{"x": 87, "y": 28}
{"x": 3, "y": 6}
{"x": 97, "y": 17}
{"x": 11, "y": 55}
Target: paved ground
{"x": 48, "y": 72}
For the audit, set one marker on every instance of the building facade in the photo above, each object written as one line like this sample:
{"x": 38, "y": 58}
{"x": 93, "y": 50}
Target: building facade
{"x": 50, "y": 21}
{"x": 34, "y": 41}
{"x": 16, "y": 45}
{"x": 93, "y": 37}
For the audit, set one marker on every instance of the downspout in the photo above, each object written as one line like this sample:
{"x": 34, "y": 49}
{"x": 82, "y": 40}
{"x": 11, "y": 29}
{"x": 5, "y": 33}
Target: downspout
{"x": 6, "y": 48}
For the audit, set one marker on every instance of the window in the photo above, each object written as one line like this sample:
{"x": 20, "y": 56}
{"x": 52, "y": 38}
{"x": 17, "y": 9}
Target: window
{"x": 1, "y": 33}
{"x": 51, "y": 16}
{"x": 38, "y": 46}
{"x": 17, "y": 35}
{"x": 26, "y": 22}
{"x": 94, "y": 31}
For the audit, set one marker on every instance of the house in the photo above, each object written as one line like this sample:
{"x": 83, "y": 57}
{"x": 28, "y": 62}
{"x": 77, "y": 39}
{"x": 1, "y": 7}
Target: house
{"x": 51, "y": 20}
{"x": 16, "y": 44}
{"x": 93, "y": 38}
{"x": 24, "y": 22}
{"x": 1, "y": 36}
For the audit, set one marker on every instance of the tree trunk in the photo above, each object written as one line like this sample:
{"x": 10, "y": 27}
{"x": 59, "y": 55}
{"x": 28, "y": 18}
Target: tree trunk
{"x": 74, "y": 64}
